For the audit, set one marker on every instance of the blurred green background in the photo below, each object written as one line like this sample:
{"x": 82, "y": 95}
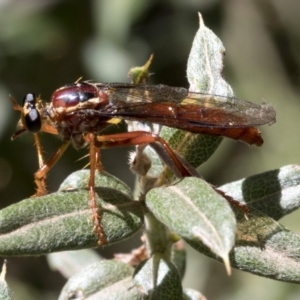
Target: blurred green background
{"x": 46, "y": 44}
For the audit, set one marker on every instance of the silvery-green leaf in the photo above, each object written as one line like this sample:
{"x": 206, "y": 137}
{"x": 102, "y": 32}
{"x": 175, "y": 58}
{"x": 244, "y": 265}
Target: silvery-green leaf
{"x": 121, "y": 290}
{"x": 205, "y": 63}
{"x": 204, "y": 73}
{"x": 63, "y": 221}
{"x": 193, "y": 210}
{"x": 266, "y": 248}
{"x": 275, "y": 193}
{"x": 94, "y": 278}
{"x": 158, "y": 278}
{"x": 263, "y": 247}
{"x": 80, "y": 180}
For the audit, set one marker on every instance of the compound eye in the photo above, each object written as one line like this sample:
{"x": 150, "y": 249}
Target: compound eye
{"x": 33, "y": 120}
{"x": 29, "y": 99}
{"x": 31, "y": 116}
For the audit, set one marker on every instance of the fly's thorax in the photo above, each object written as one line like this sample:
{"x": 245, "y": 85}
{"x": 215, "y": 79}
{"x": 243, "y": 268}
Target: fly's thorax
{"x": 76, "y": 124}
{"x": 80, "y": 95}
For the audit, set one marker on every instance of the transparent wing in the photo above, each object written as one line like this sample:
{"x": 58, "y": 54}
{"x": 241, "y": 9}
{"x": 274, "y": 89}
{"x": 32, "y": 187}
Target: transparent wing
{"x": 177, "y": 107}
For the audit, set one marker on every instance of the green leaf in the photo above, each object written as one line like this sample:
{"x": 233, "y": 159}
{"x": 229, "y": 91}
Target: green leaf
{"x": 275, "y": 193}
{"x": 95, "y": 278}
{"x": 193, "y": 210}
{"x": 158, "y": 279}
{"x": 80, "y": 180}
{"x": 204, "y": 70}
{"x": 204, "y": 73}
{"x": 63, "y": 221}
{"x": 266, "y": 248}
{"x": 205, "y": 63}
{"x": 121, "y": 290}
{"x": 263, "y": 247}
{"x": 195, "y": 148}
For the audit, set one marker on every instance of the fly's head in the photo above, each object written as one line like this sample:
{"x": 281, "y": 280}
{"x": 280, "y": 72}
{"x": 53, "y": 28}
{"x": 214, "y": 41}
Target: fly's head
{"x": 32, "y": 111}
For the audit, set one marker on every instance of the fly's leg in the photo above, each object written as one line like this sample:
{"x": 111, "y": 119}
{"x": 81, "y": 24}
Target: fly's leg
{"x": 39, "y": 150}
{"x": 41, "y": 183}
{"x": 177, "y": 164}
{"x": 41, "y": 174}
{"x": 241, "y": 206}
{"x": 95, "y": 164}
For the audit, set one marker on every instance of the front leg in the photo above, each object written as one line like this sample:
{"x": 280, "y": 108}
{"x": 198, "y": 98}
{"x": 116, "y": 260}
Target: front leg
{"x": 95, "y": 164}
{"x": 40, "y": 175}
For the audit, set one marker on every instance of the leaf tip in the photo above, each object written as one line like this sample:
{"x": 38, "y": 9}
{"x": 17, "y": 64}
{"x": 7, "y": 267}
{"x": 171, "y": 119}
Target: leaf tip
{"x": 226, "y": 262}
{"x": 3, "y": 272}
{"x": 201, "y": 21}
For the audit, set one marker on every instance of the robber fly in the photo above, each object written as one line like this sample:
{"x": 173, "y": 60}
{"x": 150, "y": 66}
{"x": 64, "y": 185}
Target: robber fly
{"x": 79, "y": 113}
